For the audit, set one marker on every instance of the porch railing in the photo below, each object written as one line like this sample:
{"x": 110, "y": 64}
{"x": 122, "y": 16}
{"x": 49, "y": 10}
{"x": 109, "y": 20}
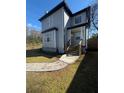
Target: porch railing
{"x": 71, "y": 48}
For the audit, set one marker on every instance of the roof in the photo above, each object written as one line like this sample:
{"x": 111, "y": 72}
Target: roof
{"x": 72, "y": 27}
{"x": 83, "y": 10}
{"x": 68, "y": 11}
{"x": 62, "y": 4}
{"x": 50, "y": 29}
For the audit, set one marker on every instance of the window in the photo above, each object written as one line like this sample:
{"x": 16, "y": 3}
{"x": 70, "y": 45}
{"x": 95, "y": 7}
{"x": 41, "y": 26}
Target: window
{"x": 48, "y": 39}
{"x": 77, "y": 19}
{"x": 77, "y": 38}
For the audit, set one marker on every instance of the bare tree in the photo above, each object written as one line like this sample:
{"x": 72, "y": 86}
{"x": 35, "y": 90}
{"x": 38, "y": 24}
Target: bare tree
{"x": 32, "y": 35}
{"x": 94, "y": 16}
{"x": 94, "y": 19}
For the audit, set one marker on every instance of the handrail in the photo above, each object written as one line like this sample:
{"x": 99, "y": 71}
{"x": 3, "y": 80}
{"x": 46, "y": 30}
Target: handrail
{"x": 80, "y": 47}
{"x": 69, "y": 45}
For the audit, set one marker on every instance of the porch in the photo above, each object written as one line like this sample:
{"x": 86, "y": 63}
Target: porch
{"x": 76, "y": 40}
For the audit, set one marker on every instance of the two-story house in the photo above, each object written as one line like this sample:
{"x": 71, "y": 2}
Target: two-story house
{"x": 60, "y": 25}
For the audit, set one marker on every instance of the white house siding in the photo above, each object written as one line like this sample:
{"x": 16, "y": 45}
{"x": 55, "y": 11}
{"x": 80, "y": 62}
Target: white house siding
{"x": 66, "y": 19}
{"x": 84, "y": 35}
{"x": 66, "y": 24}
{"x": 71, "y": 23}
{"x": 51, "y": 35}
{"x": 83, "y": 19}
{"x": 51, "y": 44}
{"x": 55, "y": 20}
{"x": 47, "y": 23}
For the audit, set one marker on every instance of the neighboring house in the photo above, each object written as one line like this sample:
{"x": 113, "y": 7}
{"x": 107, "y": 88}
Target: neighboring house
{"x": 59, "y": 26}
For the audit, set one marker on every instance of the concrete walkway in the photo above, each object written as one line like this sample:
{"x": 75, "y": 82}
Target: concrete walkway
{"x": 46, "y": 66}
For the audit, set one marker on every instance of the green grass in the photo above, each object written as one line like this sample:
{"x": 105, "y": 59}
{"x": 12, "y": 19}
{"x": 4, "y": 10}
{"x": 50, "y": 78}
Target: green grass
{"x": 51, "y": 82}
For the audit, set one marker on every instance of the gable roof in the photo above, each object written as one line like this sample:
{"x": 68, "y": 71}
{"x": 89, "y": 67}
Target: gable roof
{"x": 87, "y": 9}
{"x": 62, "y": 4}
{"x": 50, "y": 29}
{"x": 67, "y": 10}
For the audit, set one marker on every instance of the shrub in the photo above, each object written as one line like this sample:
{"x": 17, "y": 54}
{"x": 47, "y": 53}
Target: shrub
{"x": 93, "y": 43}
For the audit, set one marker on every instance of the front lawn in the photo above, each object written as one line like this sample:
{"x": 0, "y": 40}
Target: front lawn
{"x": 80, "y": 77}
{"x": 40, "y": 59}
{"x": 51, "y": 82}
{"x": 34, "y": 54}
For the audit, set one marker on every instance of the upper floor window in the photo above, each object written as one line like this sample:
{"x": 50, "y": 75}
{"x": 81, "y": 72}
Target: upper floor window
{"x": 78, "y": 19}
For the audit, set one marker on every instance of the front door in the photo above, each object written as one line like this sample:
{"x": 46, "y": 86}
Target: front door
{"x": 75, "y": 37}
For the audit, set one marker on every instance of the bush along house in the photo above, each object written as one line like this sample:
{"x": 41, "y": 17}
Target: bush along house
{"x": 64, "y": 31}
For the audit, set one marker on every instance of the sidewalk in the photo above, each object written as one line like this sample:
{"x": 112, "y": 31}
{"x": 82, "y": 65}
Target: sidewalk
{"x": 46, "y": 66}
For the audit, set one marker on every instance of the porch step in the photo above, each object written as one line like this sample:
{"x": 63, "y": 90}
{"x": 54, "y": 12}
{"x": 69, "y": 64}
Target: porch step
{"x": 76, "y": 52}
